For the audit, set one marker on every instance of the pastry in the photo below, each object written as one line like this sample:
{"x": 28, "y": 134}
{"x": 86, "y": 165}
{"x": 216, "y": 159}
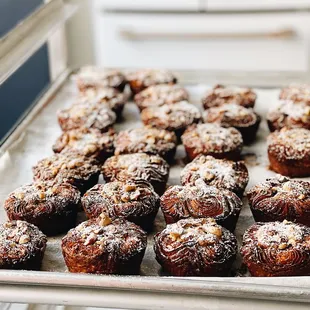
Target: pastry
{"x": 86, "y": 115}
{"x": 94, "y": 78}
{"x": 289, "y": 152}
{"x": 87, "y": 141}
{"x": 289, "y": 114}
{"x": 280, "y": 198}
{"x": 146, "y": 140}
{"x": 195, "y": 247}
{"x": 135, "y": 201}
{"x": 277, "y": 249}
{"x": 221, "y": 173}
{"x": 158, "y": 95}
{"x": 234, "y": 115}
{"x": 212, "y": 139}
{"x": 181, "y": 202}
{"x": 51, "y": 207}
{"x": 22, "y": 246}
{"x": 173, "y": 117}
{"x": 69, "y": 167}
{"x": 103, "y": 246}
{"x": 136, "y": 167}
{"x": 221, "y": 94}
{"x": 142, "y": 79}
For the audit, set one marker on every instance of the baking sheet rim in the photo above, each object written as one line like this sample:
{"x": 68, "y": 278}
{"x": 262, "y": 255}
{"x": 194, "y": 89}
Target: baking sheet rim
{"x": 241, "y": 287}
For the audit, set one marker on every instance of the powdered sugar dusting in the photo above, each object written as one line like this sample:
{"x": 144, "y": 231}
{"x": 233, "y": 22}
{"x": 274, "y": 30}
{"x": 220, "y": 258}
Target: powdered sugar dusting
{"x": 119, "y": 235}
{"x": 158, "y": 95}
{"x": 231, "y": 114}
{"x": 290, "y": 143}
{"x": 216, "y": 172}
{"x": 212, "y": 138}
{"x": 278, "y": 233}
{"x": 19, "y": 240}
{"x": 150, "y": 76}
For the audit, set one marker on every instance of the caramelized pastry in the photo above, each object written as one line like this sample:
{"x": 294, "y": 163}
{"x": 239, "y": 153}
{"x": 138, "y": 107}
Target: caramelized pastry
{"x": 277, "y": 249}
{"x": 89, "y": 142}
{"x": 94, "y": 78}
{"x": 290, "y": 115}
{"x": 86, "y": 115}
{"x": 173, "y": 117}
{"x": 296, "y": 93}
{"x": 201, "y": 200}
{"x": 135, "y": 201}
{"x": 136, "y": 167}
{"x": 280, "y": 198}
{"x": 142, "y": 79}
{"x": 22, "y": 246}
{"x": 195, "y": 247}
{"x": 50, "y": 207}
{"x": 234, "y": 115}
{"x": 212, "y": 139}
{"x": 147, "y": 140}
{"x": 70, "y": 167}
{"x": 159, "y": 95}
{"x": 289, "y": 152}
{"x": 220, "y": 173}
{"x": 103, "y": 246}
{"x": 220, "y": 95}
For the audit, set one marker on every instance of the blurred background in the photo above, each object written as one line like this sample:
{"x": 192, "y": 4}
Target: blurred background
{"x": 245, "y": 42}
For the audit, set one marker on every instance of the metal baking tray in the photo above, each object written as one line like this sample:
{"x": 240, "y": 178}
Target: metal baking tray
{"x": 32, "y": 140}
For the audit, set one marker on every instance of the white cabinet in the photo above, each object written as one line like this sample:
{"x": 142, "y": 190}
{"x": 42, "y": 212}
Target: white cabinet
{"x": 240, "y": 5}
{"x": 148, "y": 5}
{"x": 231, "y": 42}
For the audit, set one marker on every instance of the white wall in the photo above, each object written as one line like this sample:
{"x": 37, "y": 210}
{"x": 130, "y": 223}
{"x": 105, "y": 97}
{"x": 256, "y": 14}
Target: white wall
{"x": 80, "y": 36}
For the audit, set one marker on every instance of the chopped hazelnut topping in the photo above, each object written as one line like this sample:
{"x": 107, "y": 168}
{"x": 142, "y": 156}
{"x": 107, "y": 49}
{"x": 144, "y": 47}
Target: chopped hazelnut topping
{"x": 130, "y": 187}
{"x": 209, "y": 176}
{"x": 282, "y": 246}
{"x": 20, "y": 195}
{"x": 135, "y": 195}
{"x": 132, "y": 168}
{"x": 24, "y": 239}
{"x": 104, "y": 220}
{"x": 217, "y": 231}
{"x": 125, "y": 197}
{"x": 55, "y": 171}
{"x": 175, "y": 236}
{"x": 41, "y": 195}
{"x": 155, "y": 160}
{"x": 91, "y": 239}
{"x": 301, "y": 197}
